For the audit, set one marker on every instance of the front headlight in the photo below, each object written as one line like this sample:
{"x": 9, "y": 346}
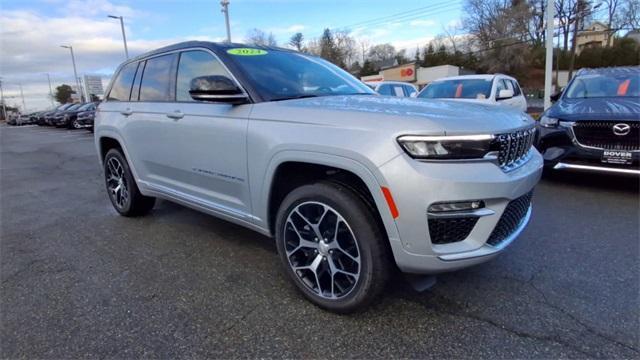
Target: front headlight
{"x": 547, "y": 121}
{"x": 447, "y": 147}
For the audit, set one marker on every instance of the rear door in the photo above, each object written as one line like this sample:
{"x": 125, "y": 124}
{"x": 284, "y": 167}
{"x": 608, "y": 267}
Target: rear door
{"x": 518, "y": 96}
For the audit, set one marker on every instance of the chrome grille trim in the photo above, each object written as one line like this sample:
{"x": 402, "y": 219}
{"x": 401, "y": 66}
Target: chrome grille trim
{"x": 514, "y": 149}
{"x": 606, "y": 141}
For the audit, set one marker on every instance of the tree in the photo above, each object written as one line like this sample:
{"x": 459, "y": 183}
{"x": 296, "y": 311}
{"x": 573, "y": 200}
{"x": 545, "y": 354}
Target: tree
{"x": 613, "y": 19}
{"x": 368, "y": 69}
{"x": 63, "y": 93}
{"x": 329, "y": 49}
{"x": 401, "y": 57}
{"x": 382, "y": 53}
{"x": 566, "y": 14}
{"x": 347, "y": 46}
{"x": 296, "y": 41}
{"x": 631, "y": 14}
{"x": 259, "y": 37}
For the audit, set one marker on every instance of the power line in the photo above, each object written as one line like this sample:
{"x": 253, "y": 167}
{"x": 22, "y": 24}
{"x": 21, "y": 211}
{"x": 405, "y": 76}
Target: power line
{"x": 413, "y": 12}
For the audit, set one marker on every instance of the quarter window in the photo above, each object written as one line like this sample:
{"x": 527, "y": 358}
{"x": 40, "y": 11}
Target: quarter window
{"x": 194, "y": 64}
{"x": 516, "y": 88}
{"x": 121, "y": 88}
{"x": 157, "y": 79}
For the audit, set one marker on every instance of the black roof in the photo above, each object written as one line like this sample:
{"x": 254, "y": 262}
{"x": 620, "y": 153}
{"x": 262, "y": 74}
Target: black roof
{"x": 215, "y": 46}
{"x": 618, "y": 70}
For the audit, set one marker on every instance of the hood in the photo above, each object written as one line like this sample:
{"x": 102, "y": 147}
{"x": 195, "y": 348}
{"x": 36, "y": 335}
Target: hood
{"x": 402, "y": 114}
{"x": 613, "y": 108}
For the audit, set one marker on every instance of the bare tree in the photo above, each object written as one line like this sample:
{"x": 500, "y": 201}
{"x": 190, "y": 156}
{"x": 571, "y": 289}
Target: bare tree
{"x": 613, "y": 19}
{"x": 259, "y": 37}
{"x": 382, "y": 52}
{"x": 566, "y": 13}
{"x": 631, "y": 15}
{"x": 296, "y": 41}
{"x": 347, "y": 45}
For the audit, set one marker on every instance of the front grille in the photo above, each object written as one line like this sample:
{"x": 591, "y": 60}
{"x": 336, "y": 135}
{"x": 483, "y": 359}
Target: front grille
{"x": 450, "y": 230}
{"x": 514, "y": 147}
{"x": 511, "y": 218}
{"x": 599, "y": 134}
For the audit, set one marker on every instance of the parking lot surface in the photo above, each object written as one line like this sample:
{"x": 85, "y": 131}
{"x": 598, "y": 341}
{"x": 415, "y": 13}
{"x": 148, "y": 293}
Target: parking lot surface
{"x": 77, "y": 280}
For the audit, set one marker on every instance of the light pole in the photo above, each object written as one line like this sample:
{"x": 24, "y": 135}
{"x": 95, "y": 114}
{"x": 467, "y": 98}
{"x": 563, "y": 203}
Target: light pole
{"x": 75, "y": 71}
{"x": 225, "y": 10}
{"x": 4, "y": 109}
{"x": 24, "y": 105}
{"x": 124, "y": 36}
{"x": 50, "y": 91}
{"x": 548, "y": 64}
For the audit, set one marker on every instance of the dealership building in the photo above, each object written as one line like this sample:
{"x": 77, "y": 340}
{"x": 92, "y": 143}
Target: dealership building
{"x": 419, "y": 76}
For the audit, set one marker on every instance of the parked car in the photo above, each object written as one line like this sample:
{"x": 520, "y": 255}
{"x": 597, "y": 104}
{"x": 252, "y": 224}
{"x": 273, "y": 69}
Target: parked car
{"x": 594, "y": 124}
{"x": 394, "y": 88}
{"x": 85, "y": 116}
{"x": 495, "y": 89}
{"x": 350, "y": 184}
{"x": 49, "y": 117}
{"x": 69, "y": 118}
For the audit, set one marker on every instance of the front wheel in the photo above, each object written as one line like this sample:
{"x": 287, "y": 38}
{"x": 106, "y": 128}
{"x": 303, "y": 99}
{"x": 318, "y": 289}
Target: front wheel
{"x": 332, "y": 247}
{"x": 122, "y": 188}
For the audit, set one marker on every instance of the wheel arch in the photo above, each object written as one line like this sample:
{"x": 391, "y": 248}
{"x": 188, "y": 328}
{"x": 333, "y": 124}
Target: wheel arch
{"x": 288, "y": 170}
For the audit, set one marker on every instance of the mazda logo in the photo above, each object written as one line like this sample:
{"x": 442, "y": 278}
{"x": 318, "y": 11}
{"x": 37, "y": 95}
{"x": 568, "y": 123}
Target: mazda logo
{"x": 621, "y": 129}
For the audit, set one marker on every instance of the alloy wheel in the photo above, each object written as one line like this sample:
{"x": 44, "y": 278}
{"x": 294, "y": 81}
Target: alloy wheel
{"x": 322, "y": 250}
{"x": 116, "y": 182}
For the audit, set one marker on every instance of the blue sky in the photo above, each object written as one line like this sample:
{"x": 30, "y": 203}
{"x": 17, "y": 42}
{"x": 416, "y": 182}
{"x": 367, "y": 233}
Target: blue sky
{"x": 32, "y": 30}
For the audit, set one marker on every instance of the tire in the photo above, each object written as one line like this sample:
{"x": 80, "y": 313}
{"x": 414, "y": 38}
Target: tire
{"x": 73, "y": 125}
{"x": 122, "y": 188}
{"x": 359, "y": 248}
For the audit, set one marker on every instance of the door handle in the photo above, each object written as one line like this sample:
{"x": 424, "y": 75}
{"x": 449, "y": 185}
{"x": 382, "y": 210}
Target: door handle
{"x": 126, "y": 112}
{"x": 176, "y": 115}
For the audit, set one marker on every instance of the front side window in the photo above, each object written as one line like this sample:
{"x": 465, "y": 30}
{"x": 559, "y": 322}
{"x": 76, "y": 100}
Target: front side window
{"x": 280, "y": 75}
{"x": 194, "y": 64}
{"x": 157, "y": 79}
{"x": 409, "y": 90}
{"x": 600, "y": 86}
{"x": 121, "y": 88}
{"x": 458, "y": 89}
{"x": 516, "y": 88}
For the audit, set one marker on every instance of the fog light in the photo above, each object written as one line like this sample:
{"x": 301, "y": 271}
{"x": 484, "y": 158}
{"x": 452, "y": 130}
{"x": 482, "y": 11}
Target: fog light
{"x": 456, "y": 206}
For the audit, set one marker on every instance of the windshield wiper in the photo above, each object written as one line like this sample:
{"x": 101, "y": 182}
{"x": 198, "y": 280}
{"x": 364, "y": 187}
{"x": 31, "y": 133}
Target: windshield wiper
{"x": 295, "y": 97}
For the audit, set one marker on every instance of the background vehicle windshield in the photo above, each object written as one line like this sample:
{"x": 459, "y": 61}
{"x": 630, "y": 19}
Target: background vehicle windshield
{"x": 458, "y": 89}
{"x": 281, "y": 75}
{"x": 74, "y": 107}
{"x": 597, "y": 86}
{"x": 85, "y": 107}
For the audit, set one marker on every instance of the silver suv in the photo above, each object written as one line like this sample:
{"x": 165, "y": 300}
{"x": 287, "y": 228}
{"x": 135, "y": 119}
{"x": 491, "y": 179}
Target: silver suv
{"x": 350, "y": 184}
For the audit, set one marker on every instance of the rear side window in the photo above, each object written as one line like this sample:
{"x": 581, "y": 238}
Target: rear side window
{"x": 409, "y": 90}
{"x": 194, "y": 64}
{"x": 157, "y": 79}
{"x": 121, "y": 88}
{"x": 516, "y": 88}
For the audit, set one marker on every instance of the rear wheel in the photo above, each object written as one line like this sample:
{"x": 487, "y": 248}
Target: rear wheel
{"x": 331, "y": 247}
{"x": 122, "y": 188}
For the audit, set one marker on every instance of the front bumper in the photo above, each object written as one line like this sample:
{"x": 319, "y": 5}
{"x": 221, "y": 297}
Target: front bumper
{"x": 561, "y": 151}
{"x": 416, "y": 185}
{"x": 85, "y": 122}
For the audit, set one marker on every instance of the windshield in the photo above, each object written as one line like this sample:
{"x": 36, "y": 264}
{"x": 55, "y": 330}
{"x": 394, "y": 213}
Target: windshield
{"x": 73, "y": 107}
{"x": 458, "y": 89}
{"x": 598, "y": 86}
{"x": 65, "y": 106}
{"x": 279, "y": 75}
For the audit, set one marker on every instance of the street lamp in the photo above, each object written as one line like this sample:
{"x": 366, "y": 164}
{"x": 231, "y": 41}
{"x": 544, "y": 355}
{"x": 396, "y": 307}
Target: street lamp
{"x": 124, "y": 37}
{"x": 225, "y": 10}
{"x": 75, "y": 71}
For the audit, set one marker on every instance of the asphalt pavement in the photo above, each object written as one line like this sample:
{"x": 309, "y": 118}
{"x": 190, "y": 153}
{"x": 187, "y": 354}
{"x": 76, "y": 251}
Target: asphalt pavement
{"x": 79, "y": 281}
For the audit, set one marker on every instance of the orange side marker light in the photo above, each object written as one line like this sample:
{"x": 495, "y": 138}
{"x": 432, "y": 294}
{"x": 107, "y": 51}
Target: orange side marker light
{"x": 390, "y": 202}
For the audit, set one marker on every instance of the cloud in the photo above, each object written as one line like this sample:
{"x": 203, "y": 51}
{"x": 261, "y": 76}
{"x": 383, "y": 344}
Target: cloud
{"x": 423, "y": 23}
{"x": 289, "y": 30}
{"x": 31, "y": 42}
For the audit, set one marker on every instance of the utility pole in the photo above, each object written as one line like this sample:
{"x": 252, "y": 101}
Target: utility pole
{"x": 75, "y": 71}
{"x": 548, "y": 64}
{"x": 124, "y": 36}
{"x": 24, "y": 105}
{"x": 225, "y": 10}
{"x": 4, "y": 109}
{"x": 580, "y": 6}
{"x": 50, "y": 91}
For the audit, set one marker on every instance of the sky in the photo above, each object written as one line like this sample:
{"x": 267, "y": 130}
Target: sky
{"x": 31, "y": 32}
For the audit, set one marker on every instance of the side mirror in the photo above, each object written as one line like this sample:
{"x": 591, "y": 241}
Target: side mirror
{"x": 504, "y": 94}
{"x": 555, "y": 97}
{"x": 217, "y": 88}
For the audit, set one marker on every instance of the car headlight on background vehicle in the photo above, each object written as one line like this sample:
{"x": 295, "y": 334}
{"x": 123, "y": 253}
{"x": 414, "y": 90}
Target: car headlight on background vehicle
{"x": 547, "y": 121}
{"x": 447, "y": 147}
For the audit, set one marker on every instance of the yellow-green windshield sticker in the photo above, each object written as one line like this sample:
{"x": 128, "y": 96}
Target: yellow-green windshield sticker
{"x": 247, "y": 52}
